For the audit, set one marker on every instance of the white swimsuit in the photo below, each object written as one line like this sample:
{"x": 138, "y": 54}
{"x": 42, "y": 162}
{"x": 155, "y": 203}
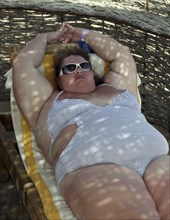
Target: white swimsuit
{"x": 116, "y": 133}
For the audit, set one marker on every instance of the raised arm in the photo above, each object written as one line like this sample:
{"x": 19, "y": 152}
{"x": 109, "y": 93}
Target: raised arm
{"x": 31, "y": 89}
{"x": 122, "y": 73}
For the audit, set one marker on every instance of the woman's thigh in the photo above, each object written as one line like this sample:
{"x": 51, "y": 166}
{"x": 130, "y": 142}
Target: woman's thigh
{"x": 108, "y": 192}
{"x": 157, "y": 179}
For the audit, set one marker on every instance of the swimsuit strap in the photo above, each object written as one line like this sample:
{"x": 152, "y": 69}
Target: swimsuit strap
{"x": 58, "y": 95}
{"x": 49, "y": 152}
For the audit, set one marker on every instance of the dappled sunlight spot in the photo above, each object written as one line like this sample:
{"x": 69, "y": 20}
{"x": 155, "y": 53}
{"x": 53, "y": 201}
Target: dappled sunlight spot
{"x": 104, "y": 202}
{"x": 36, "y": 109}
{"x": 115, "y": 180}
{"x": 112, "y": 47}
{"x": 138, "y": 196}
{"x": 108, "y": 54}
{"x": 124, "y": 136}
{"x": 134, "y": 190}
{"x": 153, "y": 183}
{"x": 41, "y": 162}
{"x": 33, "y": 52}
{"x": 122, "y": 69}
{"x": 126, "y": 73}
{"x": 117, "y": 107}
{"x": 118, "y": 55}
{"x": 100, "y": 185}
{"x": 120, "y": 151}
{"x": 122, "y": 66}
{"x": 103, "y": 190}
{"x": 160, "y": 171}
{"x": 102, "y": 129}
{"x": 35, "y": 100}
{"x": 101, "y": 120}
{"x": 110, "y": 147}
{"x": 23, "y": 75}
{"x": 154, "y": 177}
{"x": 144, "y": 216}
{"x": 35, "y": 93}
{"x": 86, "y": 153}
{"x": 129, "y": 145}
{"x": 123, "y": 188}
{"x": 32, "y": 83}
{"x": 89, "y": 185}
{"x": 100, "y": 43}
{"x": 94, "y": 150}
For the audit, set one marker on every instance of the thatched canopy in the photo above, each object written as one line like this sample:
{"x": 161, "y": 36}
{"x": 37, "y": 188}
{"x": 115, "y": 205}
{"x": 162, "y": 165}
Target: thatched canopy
{"x": 152, "y": 16}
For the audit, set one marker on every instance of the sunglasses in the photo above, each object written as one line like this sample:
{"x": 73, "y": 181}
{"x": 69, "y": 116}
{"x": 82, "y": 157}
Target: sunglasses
{"x": 72, "y": 67}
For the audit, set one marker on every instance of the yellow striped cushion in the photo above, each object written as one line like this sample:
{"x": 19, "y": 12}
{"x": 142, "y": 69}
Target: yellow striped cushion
{"x": 38, "y": 169}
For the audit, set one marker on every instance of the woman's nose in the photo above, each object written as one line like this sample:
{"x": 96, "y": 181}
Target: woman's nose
{"x": 79, "y": 70}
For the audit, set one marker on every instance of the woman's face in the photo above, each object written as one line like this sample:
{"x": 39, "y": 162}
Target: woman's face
{"x": 79, "y": 81}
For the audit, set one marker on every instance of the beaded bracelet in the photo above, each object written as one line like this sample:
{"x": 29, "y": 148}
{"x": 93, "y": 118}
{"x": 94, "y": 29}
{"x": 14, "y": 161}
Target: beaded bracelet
{"x": 83, "y": 35}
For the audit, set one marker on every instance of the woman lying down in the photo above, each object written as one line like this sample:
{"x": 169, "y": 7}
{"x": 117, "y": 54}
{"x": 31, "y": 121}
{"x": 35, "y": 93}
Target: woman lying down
{"x": 109, "y": 162}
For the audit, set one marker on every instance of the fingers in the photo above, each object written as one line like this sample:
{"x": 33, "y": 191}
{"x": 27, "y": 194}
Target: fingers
{"x": 66, "y": 33}
{"x": 68, "y": 27}
{"x": 68, "y": 39}
{"x": 62, "y": 27}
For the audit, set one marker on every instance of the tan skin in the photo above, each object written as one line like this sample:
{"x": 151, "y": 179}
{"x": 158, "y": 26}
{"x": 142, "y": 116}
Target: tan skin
{"x": 106, "y": 191}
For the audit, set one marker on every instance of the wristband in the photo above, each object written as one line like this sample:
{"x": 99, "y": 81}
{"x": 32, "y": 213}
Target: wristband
{"x": 83, "y": 35}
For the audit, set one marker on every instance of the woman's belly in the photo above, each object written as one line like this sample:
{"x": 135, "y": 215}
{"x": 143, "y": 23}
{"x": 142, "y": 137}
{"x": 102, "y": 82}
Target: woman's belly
{"x": 62, "y": 141}
{"x": 120, "y": 136}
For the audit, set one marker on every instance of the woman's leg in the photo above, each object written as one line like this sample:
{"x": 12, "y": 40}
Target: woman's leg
{"x": 108, "y": 192}
{"x": 157, "y": 179}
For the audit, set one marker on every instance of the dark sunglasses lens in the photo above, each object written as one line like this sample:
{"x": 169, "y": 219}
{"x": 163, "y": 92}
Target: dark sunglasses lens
{"x": 85, "y": 66}
{"x": 69, "y": 68}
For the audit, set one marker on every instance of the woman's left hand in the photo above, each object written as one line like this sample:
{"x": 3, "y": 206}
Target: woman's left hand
{"x": 69, "y": 33}
{"x": 57, "y": 36}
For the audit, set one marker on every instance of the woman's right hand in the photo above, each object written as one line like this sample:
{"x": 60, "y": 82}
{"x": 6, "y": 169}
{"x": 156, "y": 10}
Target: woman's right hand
{"x": 69, "y": 33}
{"x": 65, "y": 34}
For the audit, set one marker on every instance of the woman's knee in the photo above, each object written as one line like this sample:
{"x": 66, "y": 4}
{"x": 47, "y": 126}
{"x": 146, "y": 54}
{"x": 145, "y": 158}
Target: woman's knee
{"x": 157, "y": 180}
{"x": 157, "y": 173}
